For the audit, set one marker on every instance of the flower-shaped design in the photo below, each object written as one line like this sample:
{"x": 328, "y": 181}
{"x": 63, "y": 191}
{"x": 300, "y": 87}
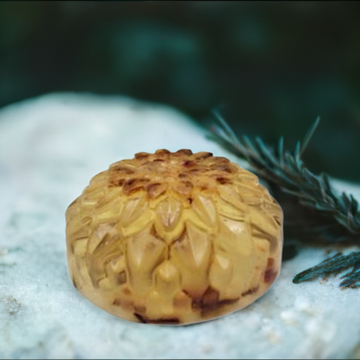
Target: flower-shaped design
{"x": 173, "y": 238}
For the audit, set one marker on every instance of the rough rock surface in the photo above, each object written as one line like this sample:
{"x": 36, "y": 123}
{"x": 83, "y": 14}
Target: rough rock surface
{"x": 50, "y": 147}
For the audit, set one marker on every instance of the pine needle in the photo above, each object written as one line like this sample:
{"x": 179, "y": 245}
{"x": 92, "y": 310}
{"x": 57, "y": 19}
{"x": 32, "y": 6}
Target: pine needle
{"x": 333, "y": 266}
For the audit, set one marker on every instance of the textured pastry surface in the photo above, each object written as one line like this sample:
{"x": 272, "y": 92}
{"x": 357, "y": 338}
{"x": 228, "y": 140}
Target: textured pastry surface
{"x": 174, "y": 238}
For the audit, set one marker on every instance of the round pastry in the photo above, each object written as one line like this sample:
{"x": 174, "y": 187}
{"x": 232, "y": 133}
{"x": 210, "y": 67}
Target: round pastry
{"x": 174, "y": 238}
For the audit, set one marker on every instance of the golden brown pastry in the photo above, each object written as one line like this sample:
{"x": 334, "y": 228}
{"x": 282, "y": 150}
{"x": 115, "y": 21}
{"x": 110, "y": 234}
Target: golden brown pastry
{"x": 173, "y": 238}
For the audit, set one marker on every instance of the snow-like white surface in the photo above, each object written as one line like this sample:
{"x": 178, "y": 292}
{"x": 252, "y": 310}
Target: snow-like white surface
{"x": 50, "y": 147}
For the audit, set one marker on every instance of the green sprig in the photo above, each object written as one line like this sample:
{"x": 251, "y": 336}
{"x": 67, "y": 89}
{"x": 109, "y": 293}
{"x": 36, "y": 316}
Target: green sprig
{"x": 335, "y": 265}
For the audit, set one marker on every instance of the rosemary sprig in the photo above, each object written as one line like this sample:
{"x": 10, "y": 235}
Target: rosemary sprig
{"x": 322, "y": 214}
{"x": 335, "y": 265}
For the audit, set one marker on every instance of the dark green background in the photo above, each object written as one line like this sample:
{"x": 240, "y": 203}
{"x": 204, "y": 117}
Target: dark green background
{"x": 273, "y": 67}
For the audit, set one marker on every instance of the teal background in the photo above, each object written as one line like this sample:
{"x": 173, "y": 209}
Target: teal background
{"x": 271, "y": 67}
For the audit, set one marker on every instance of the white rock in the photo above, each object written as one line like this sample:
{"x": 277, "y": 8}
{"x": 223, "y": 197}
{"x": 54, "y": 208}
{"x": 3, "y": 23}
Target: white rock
{"x": 50, "y": 147}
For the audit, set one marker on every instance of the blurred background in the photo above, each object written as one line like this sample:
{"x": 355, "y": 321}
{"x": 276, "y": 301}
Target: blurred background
{"x": 271, "y": 67}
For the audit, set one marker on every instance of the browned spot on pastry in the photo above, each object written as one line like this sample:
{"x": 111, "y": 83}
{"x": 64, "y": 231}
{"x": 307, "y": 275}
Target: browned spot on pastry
{"x": 250, "y": 291}
{"x": 162, "y": 152}
{"x": 188, "y": 163}
{"x": 123, "y": 169}
{"x": 190, "y": 200}
{"x": 132, "y": 185}
{"x": 161, "y": 321}
{"x": 203, "y": 155}
{"x": 129, "y": 182}
{"x": 120, "y": 182}
{"x": 140, "y": 318}
{"x": 115, "y": 181}
{"x": 186, "y": 152}
{"x": 222, "y": 180}
{"x": 121, "y": 278}
{"x": 210, "y": 297}
{"x": 209, "y": 301}
{"x": 141, "y": 155}
{"x": 220, "y": 304}
{"x": 155, "y": 190}
{"x": 158, "y": 160}
{"x": 270, "y": 273}
{"x": 182, "y": 175}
